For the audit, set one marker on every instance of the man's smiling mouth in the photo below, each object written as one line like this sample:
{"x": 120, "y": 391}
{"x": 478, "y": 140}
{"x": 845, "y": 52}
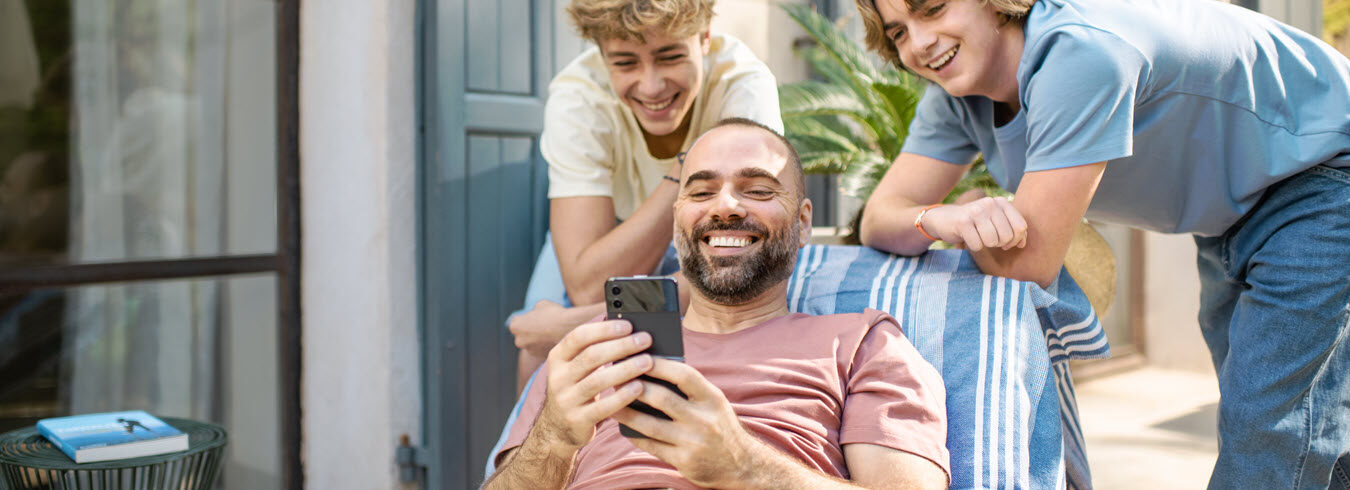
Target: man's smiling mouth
{"x": 730, "y": 241}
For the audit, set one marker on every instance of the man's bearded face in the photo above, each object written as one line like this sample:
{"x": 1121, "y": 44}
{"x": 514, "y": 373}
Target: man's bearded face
{"x": 736, "y": 279}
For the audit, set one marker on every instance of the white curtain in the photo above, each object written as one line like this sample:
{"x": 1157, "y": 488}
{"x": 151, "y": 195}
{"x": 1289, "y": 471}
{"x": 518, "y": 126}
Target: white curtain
{"x": 173, "y": 156}
{"x": 146, "y": 183}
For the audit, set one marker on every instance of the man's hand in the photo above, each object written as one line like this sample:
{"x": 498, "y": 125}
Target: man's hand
{"x": 982, "y": 222}
{"x": 703, "y": 440}
{"x": 585, "y": 365}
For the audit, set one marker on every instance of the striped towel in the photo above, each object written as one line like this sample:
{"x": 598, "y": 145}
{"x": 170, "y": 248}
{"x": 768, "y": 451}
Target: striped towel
{"x": 1000, "y": 344}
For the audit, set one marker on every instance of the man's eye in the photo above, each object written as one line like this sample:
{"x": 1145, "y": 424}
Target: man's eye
{"x": 623, "y": 63}
{"x": 759, "y": 193}
{"x": 672, "y": 58}
{"x": 700, "y": 194}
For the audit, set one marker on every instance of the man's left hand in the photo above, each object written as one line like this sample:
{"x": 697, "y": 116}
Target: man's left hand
{"x": 703, "y": 440}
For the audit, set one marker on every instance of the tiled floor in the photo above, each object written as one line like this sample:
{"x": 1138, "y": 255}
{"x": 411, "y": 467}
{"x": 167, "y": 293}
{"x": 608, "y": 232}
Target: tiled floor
{"x": 1150, "y": 428}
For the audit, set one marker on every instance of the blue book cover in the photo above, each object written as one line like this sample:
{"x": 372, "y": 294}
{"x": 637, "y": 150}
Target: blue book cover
{"x": 112, "y": 435}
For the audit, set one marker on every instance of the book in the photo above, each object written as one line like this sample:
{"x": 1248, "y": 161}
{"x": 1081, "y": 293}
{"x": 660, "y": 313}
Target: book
{"x": 112, "y": 435}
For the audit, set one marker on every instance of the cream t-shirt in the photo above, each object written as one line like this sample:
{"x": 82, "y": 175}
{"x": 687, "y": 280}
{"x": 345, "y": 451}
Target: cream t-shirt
{"x": 592, "y": 141}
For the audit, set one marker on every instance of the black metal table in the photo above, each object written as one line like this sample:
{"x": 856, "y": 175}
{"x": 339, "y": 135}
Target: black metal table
{"x": 30, "y": 461}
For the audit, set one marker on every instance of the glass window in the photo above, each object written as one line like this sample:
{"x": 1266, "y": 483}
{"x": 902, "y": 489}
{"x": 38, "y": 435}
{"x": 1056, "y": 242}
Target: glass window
{"x": 136, "y": 130}
{"x": 203, "y": 349}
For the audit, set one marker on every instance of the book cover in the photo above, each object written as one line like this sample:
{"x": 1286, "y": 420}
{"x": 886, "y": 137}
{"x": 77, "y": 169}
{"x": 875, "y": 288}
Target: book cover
{"x": 112, "y": 435}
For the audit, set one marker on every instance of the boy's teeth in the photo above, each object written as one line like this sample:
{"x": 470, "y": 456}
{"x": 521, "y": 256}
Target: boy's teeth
{"x": 944, "y": 59}
{"x": 657, "y": 106}
{"x": 728, "y": 241}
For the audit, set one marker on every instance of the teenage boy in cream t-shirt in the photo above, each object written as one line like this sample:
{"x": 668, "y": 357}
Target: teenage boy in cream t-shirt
{"x": 617, "y": 119}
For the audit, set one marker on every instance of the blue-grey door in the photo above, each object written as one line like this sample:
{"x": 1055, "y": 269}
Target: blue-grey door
{"x": 485, "y": 68}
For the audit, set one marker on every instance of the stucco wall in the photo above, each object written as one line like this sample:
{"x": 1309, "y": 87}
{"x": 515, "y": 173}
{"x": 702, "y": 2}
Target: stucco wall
{"x": 1171, "y": 302}
{"x": 361, "y": 385}
{"x": 766, "y": 30}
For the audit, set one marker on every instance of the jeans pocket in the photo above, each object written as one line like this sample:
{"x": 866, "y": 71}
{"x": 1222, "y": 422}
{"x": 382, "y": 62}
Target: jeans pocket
{"x": 1341, "y": 175}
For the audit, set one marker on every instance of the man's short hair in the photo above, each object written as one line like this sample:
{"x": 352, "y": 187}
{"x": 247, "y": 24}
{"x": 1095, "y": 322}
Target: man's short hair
{"x": 794, "y": 162}
{"x": 1007, "y": 10}
{"x": 602, "y": 20}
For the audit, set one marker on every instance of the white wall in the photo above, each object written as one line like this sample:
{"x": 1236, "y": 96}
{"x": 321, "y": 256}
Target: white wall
{"x": 769, "y": 32}
{"x": 1171, "y": 303}
{"x": 361, "y": 381}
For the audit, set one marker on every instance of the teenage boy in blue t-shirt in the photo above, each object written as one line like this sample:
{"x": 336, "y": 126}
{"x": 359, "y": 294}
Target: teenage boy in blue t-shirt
{"x": 1178, "y": 116}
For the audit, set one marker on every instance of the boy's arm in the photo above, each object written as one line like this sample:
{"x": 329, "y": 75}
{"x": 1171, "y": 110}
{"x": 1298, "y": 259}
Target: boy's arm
{"x": 592, "y": 249}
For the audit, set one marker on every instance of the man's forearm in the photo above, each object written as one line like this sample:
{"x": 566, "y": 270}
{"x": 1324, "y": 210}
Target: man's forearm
{"x": 535, "y": 464}
{"x": 773, "y": 469}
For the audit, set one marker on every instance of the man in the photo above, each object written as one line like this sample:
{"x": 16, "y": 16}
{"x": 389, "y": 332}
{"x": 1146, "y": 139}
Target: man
{"x": 774, "y": 400}
{"x": 617, "y": 117}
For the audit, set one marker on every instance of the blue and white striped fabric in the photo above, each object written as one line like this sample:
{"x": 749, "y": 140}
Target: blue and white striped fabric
{"x": 1000, "y": 344}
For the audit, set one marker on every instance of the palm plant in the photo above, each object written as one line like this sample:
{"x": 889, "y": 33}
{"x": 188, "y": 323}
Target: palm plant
{"x": 854, "y": 122}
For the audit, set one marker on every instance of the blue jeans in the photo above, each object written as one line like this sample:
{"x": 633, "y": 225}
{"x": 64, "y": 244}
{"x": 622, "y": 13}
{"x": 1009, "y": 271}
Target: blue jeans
{"x": 1275, "y": 312}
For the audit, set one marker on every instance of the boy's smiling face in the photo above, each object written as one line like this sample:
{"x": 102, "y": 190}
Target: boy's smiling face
{"x": 659, "y": 78}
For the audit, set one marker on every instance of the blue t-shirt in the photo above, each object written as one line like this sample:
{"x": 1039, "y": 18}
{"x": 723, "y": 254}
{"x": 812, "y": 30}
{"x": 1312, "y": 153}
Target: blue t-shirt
{"x": 1198, "y": 106}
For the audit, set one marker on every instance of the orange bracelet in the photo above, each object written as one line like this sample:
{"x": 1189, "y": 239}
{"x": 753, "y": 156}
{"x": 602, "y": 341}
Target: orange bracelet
{"x": 918, "y": 221}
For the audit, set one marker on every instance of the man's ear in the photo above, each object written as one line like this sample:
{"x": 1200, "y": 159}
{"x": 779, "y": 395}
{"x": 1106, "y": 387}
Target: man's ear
{"x": 804, "y": 214}
{"x": 705, "y": 42}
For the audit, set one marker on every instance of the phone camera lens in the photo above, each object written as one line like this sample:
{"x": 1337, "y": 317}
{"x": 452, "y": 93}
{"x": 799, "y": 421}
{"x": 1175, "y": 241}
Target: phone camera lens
{"x": 615, "y": 290}
{"x": 618, "y": 304}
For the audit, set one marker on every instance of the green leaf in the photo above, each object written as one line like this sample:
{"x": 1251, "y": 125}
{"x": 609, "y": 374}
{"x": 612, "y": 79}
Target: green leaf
{"x": 861, "y": 176}
{"x": 810, "y": 134}
{"x": 833, "y": 40}
{"x": 812, "y": 97}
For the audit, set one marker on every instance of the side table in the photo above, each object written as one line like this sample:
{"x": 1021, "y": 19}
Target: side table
{"x": 30, "y": 461}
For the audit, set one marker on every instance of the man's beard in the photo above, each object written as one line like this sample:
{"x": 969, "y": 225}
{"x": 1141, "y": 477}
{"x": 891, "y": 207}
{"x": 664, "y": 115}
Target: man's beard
{"x": 736, "y": 280}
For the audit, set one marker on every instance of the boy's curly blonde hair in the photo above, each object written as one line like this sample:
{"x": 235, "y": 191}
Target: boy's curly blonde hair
{"x": 601, "y": 20}
{"x": 1008, "y": 11}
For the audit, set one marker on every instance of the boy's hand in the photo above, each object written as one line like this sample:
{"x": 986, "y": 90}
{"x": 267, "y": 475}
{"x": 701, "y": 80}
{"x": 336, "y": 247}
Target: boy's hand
{"x": 979, "y": 223}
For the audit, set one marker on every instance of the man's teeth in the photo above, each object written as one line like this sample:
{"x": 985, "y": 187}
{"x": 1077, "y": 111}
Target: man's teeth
{"x": 657, "y": 106}
{"x": 940, "y": 62}
{"x": 729, "y": 241}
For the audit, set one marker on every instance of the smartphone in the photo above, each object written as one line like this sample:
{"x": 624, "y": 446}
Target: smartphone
{"x": 652, "y": 305}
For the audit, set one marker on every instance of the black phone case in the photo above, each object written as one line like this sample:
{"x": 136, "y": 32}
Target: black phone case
{"x": 667, "y": 341}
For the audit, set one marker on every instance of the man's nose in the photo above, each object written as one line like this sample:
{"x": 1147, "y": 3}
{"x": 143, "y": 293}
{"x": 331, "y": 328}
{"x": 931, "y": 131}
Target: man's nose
{"x": 727, "y": 206}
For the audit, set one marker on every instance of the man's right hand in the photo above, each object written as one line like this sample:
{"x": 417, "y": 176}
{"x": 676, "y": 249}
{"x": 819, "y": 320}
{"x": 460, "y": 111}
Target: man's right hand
{"x": 582, "y": 368}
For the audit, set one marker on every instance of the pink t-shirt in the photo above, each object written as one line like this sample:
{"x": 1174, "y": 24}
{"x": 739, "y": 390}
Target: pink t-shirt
{"x": 805, "y": 385}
